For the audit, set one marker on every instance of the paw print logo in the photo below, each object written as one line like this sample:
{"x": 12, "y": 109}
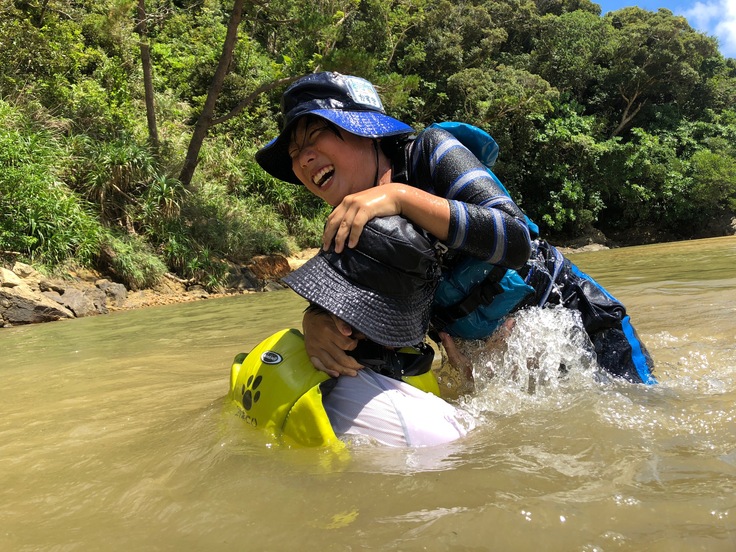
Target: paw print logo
{"x": 250, "y": 392}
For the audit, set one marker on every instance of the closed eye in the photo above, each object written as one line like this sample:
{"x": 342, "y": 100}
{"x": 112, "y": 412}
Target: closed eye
{"x": 309, "y": 140}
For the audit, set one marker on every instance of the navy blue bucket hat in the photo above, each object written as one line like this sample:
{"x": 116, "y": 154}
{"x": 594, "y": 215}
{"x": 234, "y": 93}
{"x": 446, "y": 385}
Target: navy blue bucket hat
{"x": 383, "y": 287}
{"x": 349, "y": 102}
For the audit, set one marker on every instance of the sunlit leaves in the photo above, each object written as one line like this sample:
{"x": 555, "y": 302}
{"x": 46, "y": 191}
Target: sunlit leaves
{"x": 714, "y": 179}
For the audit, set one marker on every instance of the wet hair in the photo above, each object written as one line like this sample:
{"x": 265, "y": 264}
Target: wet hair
{"x": 309, "y": 119}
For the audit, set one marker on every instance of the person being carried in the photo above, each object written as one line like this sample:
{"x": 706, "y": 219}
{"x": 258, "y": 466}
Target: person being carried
{"x": 383, "y": 289}
{"x": 337, "y": 140}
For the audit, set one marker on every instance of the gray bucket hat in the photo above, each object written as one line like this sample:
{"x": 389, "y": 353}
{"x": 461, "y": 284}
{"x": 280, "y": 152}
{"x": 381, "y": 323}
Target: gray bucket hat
{"x": 349, "y": 102}
{"x": 383, "y": 287}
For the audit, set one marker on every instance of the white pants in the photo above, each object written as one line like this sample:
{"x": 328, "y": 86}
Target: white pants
{"x": 393, "y": 412}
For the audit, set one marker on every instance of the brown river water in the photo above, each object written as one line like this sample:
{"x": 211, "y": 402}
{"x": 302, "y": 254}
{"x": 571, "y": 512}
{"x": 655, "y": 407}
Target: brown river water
{"x": 115, "y": 435}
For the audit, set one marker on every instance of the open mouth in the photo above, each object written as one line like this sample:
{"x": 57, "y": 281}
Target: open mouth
{"x": 323, "y": 176}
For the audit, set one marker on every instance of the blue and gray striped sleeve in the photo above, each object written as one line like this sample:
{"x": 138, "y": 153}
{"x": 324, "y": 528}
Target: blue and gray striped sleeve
{"x": 484, "y": 221}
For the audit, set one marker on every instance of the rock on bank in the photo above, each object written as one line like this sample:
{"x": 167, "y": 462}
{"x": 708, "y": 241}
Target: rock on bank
{"x": 28, "y": 297}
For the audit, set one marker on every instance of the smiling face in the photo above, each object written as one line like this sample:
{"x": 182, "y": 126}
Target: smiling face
{"x": 330, "y": 162}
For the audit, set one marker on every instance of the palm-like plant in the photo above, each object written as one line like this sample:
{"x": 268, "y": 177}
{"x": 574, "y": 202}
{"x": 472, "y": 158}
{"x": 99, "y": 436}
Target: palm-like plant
{"x": 113, "y": 175}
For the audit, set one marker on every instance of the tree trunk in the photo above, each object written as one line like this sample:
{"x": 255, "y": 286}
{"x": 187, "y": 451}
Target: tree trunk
{"x": 142, "y": 30}
{"x": 628, "y": 114}
{"x": 250, "y": 98}
{"x": 205, "y": 118}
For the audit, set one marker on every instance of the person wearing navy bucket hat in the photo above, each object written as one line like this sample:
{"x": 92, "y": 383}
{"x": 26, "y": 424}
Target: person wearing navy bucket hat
{"x": 383, "y": 288}
{"x": 337, "y": 140}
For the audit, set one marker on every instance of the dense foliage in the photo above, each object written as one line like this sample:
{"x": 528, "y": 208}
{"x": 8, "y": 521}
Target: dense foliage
{"x": 622, "y": 123}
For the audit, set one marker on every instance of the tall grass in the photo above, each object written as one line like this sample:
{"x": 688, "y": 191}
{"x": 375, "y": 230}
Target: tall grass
{"x": 112, "y": 174}
{"x": 130, "y": 260}
{"x": 71, "y": 199}
{"x": 41, "y": 220}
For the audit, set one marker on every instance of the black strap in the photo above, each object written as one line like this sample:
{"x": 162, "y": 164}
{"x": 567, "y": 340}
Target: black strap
{"x": 482, "y": 294}
{"x": 392, "y": 363}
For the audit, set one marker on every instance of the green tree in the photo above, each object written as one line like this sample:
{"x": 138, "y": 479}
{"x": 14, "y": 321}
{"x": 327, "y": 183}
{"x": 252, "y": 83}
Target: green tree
{"x": 714, "y": 180}
{"x": 204, "y": 121}
{"x": 655, "y": 59}
{"x": 561, "y": 172}
{"x": 572, "y": 51}
{"x": 560, "y": 7}
{"x": 142, "y": 30}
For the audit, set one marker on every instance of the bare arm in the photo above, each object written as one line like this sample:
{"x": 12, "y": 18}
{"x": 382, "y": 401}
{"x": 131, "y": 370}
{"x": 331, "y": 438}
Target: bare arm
{"x": 346, "y": 222}
{"x": 456, "y": 359}
{"x": 451, "y": 195}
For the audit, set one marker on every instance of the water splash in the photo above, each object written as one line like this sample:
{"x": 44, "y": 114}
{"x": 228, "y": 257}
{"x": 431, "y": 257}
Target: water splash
{"x": 545, "y": 352}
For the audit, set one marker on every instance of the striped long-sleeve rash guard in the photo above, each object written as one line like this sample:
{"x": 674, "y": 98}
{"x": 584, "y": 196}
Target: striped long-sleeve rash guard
{"x": 484, "y": 221}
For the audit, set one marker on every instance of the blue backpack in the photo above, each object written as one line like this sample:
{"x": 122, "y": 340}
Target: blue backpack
{"x": 473, "y": 296}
